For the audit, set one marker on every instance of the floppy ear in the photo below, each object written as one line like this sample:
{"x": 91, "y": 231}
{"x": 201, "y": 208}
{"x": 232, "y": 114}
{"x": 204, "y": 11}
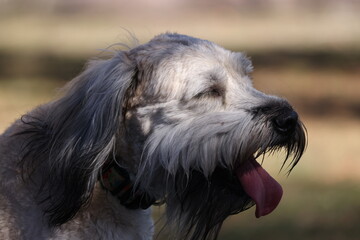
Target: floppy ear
{"x": 71, "y": 138}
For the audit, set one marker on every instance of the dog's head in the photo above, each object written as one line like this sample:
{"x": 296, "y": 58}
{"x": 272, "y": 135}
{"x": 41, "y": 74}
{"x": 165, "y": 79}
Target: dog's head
{"x": 180, "y": 114}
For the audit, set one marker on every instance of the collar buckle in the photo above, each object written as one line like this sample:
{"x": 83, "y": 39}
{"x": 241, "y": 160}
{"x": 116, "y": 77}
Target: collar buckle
{"x": 117, "y": 181}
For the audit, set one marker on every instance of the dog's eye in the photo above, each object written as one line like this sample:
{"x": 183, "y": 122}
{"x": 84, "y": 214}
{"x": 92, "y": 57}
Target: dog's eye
{"x": 212, "y": 92}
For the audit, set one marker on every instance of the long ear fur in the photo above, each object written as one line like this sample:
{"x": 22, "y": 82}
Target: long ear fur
{"x": 68, "y": 140}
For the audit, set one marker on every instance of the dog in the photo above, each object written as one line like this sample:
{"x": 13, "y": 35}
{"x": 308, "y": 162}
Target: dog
{"x": 175, "y": 121}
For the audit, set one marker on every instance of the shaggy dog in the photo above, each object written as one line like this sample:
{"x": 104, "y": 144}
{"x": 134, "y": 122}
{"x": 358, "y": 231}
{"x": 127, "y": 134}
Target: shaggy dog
{"x": 175, "y": 121}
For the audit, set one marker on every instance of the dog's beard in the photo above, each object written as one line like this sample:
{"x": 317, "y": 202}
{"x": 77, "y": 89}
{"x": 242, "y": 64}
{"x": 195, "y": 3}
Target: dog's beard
{"x": 203, "y": 178}
{"x": 198, "y": 205}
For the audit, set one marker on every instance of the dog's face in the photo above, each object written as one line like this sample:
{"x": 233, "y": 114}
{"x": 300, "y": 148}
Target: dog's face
{"x": 195, "y": 125}
{"x": 181, "y": 115}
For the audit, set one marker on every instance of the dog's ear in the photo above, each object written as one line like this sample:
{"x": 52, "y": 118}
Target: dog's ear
{"x": 71, "y": 138}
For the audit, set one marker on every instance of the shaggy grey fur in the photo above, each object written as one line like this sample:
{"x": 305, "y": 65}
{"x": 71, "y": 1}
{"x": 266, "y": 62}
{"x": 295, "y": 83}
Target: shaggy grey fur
{"x": 180, "y": 114}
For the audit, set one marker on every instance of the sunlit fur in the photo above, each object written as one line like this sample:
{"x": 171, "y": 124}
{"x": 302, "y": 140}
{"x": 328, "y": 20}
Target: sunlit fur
{"x": 179, "y": 113}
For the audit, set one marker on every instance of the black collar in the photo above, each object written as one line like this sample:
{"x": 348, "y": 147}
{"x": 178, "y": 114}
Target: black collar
{"x": 118, "y": 182}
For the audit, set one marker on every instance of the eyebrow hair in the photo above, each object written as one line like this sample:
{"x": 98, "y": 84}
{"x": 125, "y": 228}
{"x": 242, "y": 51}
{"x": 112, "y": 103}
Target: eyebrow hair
{"x": 217, "y": 81}
{"x": 216, "y": 76}
{"x": 213, "y": 77}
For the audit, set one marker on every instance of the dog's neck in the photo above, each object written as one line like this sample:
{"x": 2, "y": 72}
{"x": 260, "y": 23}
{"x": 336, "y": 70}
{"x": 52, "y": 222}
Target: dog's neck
{"x": 118, "y": 182}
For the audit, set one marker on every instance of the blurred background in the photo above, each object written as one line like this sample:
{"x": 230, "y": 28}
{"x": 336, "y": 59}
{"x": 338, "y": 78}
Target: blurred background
{"x": 307, "y": 51}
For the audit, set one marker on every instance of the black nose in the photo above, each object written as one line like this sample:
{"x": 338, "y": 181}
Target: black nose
{"x": 285, "y": 123}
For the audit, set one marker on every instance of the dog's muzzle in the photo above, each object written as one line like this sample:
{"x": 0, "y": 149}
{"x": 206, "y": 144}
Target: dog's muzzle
{"x": 287, "y": 130}
{"x": 285, "y": 122}
{"x": 280, "y": 113}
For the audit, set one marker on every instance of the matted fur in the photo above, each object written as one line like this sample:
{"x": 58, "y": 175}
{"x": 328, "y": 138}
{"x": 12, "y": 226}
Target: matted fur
{"x": 179, "y": 113}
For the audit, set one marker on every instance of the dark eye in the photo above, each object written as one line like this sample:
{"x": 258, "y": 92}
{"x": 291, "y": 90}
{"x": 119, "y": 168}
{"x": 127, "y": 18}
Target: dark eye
{"x": 213, "y": 92}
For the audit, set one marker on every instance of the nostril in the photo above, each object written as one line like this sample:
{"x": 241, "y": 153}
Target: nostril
{"x": 286, "y": 122}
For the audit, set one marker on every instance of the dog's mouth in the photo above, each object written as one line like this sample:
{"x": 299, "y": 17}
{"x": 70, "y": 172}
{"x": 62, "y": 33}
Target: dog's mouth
{"x": 263, "y": 189}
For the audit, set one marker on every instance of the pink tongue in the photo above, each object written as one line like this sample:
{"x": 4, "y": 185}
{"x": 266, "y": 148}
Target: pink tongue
{"x": 264, "y": 190}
